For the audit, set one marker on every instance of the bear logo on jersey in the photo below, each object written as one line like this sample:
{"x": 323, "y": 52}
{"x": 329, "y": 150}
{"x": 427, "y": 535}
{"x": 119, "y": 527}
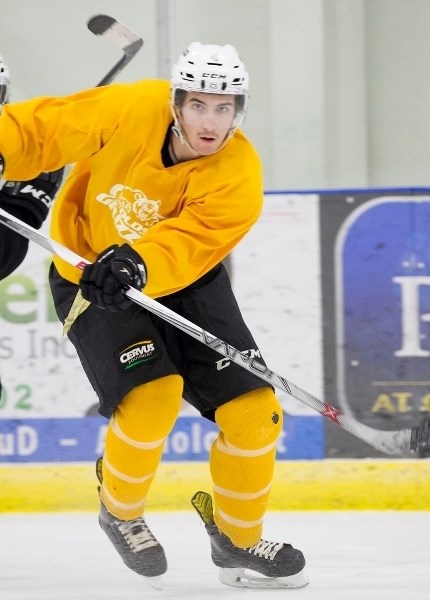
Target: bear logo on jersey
{"x": 132, "y": 212}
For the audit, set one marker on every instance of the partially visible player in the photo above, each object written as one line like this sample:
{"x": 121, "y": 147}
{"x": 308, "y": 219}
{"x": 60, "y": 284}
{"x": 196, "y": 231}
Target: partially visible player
{"x": 30, "y": 201}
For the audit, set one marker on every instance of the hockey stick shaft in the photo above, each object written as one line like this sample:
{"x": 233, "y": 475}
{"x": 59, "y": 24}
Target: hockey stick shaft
{"x": 118, "y": 35}
{"x": 401, "y": 442}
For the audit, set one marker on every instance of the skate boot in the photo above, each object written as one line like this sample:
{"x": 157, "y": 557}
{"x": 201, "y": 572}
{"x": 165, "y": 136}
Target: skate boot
{"x": 135, "y": 544}
{"x": 273, "y": 565}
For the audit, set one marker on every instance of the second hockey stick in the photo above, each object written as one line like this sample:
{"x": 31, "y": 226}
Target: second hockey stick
{"x": 118, "y": 35}
{"x": 402, "y": 442}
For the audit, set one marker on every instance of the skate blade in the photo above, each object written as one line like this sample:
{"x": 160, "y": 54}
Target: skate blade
{"x": 246, "y": 579}
{"x": 155, "y": 582}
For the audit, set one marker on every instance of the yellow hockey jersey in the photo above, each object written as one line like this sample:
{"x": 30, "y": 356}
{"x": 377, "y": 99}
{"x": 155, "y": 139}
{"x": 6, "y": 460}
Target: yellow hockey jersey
{"x": 182, "y": 219}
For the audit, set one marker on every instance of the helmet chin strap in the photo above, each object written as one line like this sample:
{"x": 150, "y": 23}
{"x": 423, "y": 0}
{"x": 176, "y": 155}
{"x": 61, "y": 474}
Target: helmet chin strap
{"x": 177, "y": 130}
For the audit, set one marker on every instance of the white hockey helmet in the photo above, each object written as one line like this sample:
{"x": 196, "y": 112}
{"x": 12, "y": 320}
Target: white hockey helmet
{"x": 214, "y": 70}
{"x": 4, "y": 82}
{"x": 210, "y": 68}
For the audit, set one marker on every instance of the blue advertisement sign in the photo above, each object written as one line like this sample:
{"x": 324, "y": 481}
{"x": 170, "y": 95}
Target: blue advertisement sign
{"x": 375, "y": 261}
{"x": 383, "y": 277}
{"x": 82, "y": 439}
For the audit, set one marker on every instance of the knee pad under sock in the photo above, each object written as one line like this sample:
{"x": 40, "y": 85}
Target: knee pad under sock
{"x": 242, "y": 463}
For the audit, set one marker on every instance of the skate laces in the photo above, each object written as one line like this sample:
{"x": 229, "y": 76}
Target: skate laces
{"x": 265, "y": 549}
{"x": 137, "y": 534}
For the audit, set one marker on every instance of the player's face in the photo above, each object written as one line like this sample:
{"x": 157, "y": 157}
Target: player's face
{"x": 206, "y": 120}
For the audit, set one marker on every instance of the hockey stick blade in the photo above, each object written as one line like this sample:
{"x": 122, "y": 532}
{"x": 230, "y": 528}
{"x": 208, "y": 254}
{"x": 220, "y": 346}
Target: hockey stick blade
{"x": 401, "y": 442}
{"x": 118, "y": 35}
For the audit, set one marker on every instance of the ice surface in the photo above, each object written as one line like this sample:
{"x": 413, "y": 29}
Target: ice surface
{"x": 350, "y": 555}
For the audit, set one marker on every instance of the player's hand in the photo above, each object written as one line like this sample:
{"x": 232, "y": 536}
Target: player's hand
{"x": 30, "y": 201}
{"x": 103, "y": 282}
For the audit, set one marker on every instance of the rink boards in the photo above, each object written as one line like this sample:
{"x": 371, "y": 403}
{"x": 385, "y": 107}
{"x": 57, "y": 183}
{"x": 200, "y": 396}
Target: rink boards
{"x": 298, "y": 485}
{"x": 49, "y": 464}
{"x": 328, "y": 311}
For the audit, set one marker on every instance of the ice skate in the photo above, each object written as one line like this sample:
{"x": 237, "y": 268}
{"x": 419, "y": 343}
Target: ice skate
{"x": 136, "y": 544}
{"x": 265, "y": 565}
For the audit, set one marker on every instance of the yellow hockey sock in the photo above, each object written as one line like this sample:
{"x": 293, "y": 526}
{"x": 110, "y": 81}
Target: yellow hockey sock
{"x": 134, "y": 444}
{"x": 242, "y": 462}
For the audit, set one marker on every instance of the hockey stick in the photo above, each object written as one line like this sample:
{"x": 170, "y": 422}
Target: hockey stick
{"x": 400, "y": 442}
{"x": 120, "y": 36}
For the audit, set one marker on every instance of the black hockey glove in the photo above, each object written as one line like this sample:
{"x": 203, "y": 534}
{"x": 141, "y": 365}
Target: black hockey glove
{"x": 103, "y": 282}
{"x": 30, "y": 201}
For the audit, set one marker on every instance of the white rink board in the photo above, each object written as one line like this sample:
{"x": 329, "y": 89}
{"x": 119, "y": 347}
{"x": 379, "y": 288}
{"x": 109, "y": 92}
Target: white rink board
{"x": 276, "y": 279}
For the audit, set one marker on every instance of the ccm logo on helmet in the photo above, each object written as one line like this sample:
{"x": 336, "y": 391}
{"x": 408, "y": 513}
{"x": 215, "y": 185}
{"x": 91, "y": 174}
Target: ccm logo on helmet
{"x": 214, "y": 75}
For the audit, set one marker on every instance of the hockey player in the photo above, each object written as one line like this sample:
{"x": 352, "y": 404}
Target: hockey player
{"x": 164, "y": 188}
{"x": 30, "y": 201}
